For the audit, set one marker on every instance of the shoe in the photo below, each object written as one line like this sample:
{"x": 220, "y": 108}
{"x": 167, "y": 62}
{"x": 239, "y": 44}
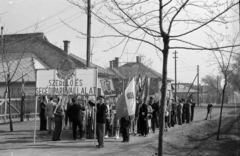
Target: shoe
{"x": 117, "y": 137}
{"x": 153, "y": 131}
{"x": 124, "y": 141}
{"x": 82, "y": 138}
{"x": 74, "y": 139}
{"x": 99, "y": 146}
{"x": 49, "y": 132}
{"x": 59, "y": 139}
{"x": 106, "y": 136}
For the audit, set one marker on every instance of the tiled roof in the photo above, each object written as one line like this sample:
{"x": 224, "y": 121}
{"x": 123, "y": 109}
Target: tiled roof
{"x": 116, "y": 73}
{"x": 24, "y": 68}
{"x": 36, "y": 45}
{"x": 83, "y": 61}
{"x": 135, "y": 68}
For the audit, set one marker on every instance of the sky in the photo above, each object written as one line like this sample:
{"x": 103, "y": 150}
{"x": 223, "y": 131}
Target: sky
{"x": 51, "y": 16}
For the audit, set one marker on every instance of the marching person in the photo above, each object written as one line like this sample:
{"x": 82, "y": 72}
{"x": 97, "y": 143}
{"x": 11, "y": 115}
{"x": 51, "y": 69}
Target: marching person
{"x": 58, "y": 120}
{"x": 67, "y": 119}
{"x": 179, "y": 112}
{"x": 101, "y": 120}
{"x": 125, "y": 125}
{"x": 155, "y": 108}
{"x": 115, "y": 120}
{"x": 107, "y": 128}
{"x": 76, "y": 117}
{"x": 43, "y": 120}
{"x": 143, "y": 119}
{"x": 209, "y": 110}
{"x": 192, "y": 108}
{"x": 149, "y": 107}
{"x": 49, "y": 114}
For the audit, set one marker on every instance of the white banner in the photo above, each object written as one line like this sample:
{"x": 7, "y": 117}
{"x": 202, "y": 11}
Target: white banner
{"x": 83, "y": 82}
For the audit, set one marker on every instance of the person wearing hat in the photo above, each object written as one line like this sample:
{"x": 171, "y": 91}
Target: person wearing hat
{"x": 76, "y": 117}
{"x": 101, "y": 120}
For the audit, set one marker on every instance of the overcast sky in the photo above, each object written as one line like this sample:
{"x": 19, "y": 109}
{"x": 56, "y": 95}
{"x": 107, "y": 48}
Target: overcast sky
{"x": 21, "y": 16}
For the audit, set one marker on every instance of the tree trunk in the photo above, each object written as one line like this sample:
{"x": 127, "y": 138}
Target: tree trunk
{"x": 220, "y": 120}
{"x": 9, "y": 102}
{"x": 162, "y": 105}
{"x": 22, "y": 108}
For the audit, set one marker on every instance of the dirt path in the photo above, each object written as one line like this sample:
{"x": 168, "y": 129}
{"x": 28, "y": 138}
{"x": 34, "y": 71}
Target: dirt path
{"x": 194, "y": 139}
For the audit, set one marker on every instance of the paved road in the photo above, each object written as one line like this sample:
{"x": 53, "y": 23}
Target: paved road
{"x": 20, "y": 142}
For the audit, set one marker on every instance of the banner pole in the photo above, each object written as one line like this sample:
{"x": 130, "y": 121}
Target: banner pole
{"x": 95, "y": 108}
{"x": 35, "y": 125}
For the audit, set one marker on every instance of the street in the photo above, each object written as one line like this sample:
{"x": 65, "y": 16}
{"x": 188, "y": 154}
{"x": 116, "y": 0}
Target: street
{"x": 177, "y": 141}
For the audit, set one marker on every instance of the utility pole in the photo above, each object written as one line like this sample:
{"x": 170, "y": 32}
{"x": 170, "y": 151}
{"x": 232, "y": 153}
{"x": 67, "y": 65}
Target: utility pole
{"x": 217, "y": 91}
{"x": 175, "y": 57}
{"x": 88, "y": 33}
{"x": 198, "y": 85}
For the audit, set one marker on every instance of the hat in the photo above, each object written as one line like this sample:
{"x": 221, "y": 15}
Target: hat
{"x": 100, "y": 97}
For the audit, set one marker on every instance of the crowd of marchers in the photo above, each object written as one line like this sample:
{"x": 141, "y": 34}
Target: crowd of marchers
{"x": 77, "y": 114}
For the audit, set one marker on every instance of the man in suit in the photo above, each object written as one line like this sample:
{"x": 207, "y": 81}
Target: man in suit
{"x": 49, "y": 114}
{"x": 101, "y": 120}
{"x": 108, "y": 90}
{"x": 75, "y": 113}
{"x": 143, "y": 117}
{"x": 155, "y": 108}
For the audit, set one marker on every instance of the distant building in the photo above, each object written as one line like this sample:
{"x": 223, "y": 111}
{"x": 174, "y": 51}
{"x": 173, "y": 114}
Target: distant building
{"x": 135, "y": 69}
{"x": 186, "y": 90}
{"x": 28, "y": 52}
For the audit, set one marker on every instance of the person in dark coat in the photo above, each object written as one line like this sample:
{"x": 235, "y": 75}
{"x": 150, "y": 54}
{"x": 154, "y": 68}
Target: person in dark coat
{"x": 188, "y": 111}
{"x": 184, "y": 111}
{"x": 76, "y": 117}
{"x": 179, "y": 112}
{"x": 125, "y": 125}
{"x": 209, "y": 110}
{"x": 173, "y": 113}
{"x": 143, "y": 119}
{"x": 43, "y": 120}
{"x": 58, "y": 121}
{"x": 192, "y": 109}
{"x": 101, "y": 120}
{"x": 155, "y": 108}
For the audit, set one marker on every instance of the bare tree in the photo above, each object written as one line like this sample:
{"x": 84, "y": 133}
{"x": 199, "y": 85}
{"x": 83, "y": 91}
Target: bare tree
{"x": 224, "y": 61}
{"x": 164, "y": 25}
{"x": 10, "y": 61}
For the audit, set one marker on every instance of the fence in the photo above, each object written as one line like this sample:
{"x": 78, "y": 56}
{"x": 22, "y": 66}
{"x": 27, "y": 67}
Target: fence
{"x": 28, "y": 108}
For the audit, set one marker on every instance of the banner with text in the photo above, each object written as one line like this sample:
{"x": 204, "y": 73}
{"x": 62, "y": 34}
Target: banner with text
{"x": 83, "y": 82}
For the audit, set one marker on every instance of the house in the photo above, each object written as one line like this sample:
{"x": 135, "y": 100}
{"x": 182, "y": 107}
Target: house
{"x": 28, "y": 52}
{"x": 186, "y": 90}
{"x": 21, "y": 55}
{"x": 135, "y": 69}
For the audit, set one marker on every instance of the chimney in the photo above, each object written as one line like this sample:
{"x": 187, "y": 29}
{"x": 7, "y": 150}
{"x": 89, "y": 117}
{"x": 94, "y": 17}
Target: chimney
{"x": 66, "y": 46}
{"x": 111, "y": 64}
{"x": 138, "y": 59}
{"x": 116, "y": 63}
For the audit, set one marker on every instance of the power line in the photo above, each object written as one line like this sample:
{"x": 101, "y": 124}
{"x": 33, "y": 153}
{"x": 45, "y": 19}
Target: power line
{"x": 48, "y": 18}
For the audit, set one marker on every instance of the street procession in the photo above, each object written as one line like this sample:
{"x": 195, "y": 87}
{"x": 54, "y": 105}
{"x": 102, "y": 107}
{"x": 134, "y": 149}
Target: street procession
{"x": 71, "y": 101}
{"x": 119, "y": 77}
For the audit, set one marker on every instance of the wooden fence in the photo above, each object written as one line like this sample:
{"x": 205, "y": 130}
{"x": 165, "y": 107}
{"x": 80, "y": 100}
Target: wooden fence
{"x": 28, "y": 108}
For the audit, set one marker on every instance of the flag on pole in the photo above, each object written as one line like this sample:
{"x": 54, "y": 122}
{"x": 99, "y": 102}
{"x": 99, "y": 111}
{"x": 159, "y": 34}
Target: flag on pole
{"x": 126, "y": 104}
{"x": 146, "y": 90}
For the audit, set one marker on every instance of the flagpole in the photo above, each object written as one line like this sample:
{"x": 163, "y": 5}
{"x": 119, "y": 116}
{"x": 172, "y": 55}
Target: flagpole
{"x": 95, "y": 108}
